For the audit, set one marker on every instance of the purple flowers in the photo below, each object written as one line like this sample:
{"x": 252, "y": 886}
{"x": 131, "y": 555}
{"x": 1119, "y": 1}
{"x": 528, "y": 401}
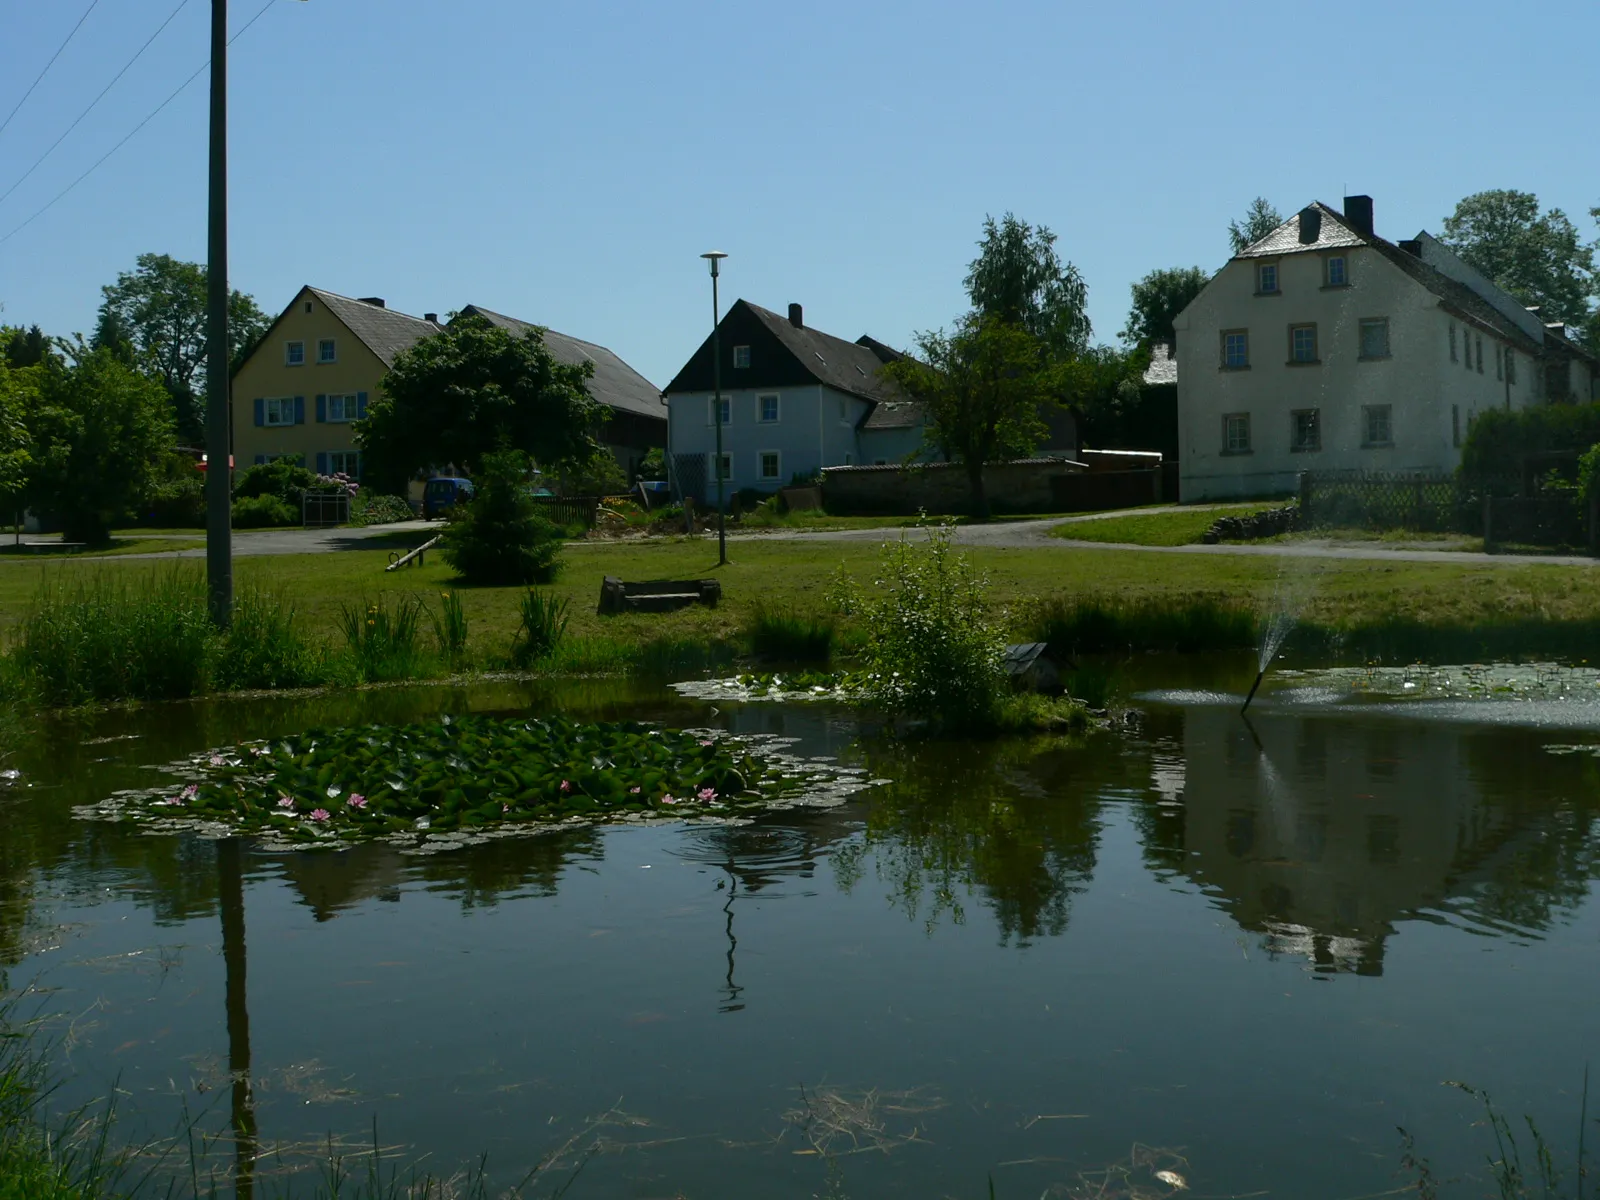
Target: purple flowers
{"x": 321, "y": 814}
{"x": 357, "y": 800}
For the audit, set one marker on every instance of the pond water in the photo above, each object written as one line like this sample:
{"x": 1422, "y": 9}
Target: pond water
{"x": 1241, "y": 952}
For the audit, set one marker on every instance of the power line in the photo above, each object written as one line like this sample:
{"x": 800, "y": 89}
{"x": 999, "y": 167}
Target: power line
{"x": 48, "y": 65}
{"x": 152, "y": 116}
{"x": 125, "y": 67}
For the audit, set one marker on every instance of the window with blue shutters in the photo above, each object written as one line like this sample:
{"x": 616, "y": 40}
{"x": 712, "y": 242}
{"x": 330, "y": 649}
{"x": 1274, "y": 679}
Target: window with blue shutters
{"x": 261, "y": 411}
{"x": 322, "y": 409}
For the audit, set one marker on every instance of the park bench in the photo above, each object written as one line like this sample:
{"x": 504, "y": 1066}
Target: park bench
{"x": 656, "y": 596}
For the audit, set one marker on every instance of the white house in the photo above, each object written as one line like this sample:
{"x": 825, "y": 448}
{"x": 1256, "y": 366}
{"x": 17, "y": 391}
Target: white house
{"x": 1324, "y": 347}
{"x": 794, "y": 400}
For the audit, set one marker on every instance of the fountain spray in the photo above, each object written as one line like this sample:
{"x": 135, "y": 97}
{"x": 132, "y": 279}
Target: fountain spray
{"x": 1277, "y": 630}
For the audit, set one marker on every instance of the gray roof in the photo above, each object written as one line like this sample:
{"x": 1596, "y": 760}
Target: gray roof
{"x": 1163, "y": 366}
{"x": 1285, "y": 239}
{"x": 614, "y": 383}
{"x": 384, "y": 331}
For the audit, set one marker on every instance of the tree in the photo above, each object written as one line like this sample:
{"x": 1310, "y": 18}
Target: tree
{"x": 473, "y": 389}
{"x": 1157, "y": 299}
{"x": 1536, "y": 257}
{"x": 160, "y": 308}
{"x": 983, "y": 385}
{"x": 501, "y": 536}
{"x": 19, "y": 396}
{"x": 25, "y": 348}
{"x": 97, "y": 434}
{"x": 112, "y": 335}
{"x": 1260, "y": 219}
{"x": 1019, "y": 279}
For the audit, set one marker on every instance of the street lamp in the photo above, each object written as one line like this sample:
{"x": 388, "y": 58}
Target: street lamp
{"x": 714, "y": 257}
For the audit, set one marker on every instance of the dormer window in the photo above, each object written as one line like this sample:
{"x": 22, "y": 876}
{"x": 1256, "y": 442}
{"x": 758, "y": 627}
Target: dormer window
{"x": 1267, "y": 279}
{"x": 1334, "y": 271}
{"x": 741, "y": 358}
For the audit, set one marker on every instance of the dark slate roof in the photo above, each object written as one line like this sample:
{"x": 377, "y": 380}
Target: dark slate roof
{"x": 384, "y": 331}
{"x": 844, "y": 366}
{"x": 1163, "y": 366}
{"x": 614, "y": 383}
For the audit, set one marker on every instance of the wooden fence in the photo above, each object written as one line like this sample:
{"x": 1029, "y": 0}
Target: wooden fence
{"x": 570, "y": 510}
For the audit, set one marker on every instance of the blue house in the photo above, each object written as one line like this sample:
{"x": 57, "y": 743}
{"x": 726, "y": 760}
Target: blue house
{"x": 794, "y": 400}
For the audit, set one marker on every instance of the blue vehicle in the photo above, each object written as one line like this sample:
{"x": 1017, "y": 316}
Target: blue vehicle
{"x": 444, "y": 492}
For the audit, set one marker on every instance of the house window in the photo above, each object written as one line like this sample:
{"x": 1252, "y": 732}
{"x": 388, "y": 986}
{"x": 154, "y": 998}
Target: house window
{"x": 1511, "y": 365}
{"x": 343, "y": 408}
{"x": 1335, "y": 272}
{"x": 767, "y": 407}
{"x": 327, "y": 352}
{"x": 1236, "y": 433}
{"x": 345, "y": 462}
{"x": 1452, "y": 341}
{"x": 1306, "y": 431}
{"x": 1303, "y": 343}
{"x": 771, "y": 464}
{"x": 1267, "y": 279}
{"x": 1499, "y": 363}
{"x": 1455, "y": 425}
{"x": 726, "y": 463}
{"x": 727, "y": 410}
{"x": 1375, "y": 337}
{"x": 294, "y": 354}
{"x": 1235, "y": 349}
{"x": 1376, "y": 429}
{"x": 278, "y": 410}
{"x": 741, "y": 358}
{"x": 1480, "y": 354}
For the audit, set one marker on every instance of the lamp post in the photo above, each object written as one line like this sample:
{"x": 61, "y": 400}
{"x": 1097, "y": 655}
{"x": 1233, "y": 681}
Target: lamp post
{"x": 219, "y": 482}
{"x": 714, "y": 257}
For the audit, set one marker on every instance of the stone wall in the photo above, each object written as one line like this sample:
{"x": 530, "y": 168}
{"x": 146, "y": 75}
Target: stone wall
{"x": 941, "y": 488}
{"x": 1266, "y": 524}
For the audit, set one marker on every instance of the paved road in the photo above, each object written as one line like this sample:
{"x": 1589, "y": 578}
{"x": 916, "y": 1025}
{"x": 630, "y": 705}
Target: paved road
{"x": 1015, "y": 535}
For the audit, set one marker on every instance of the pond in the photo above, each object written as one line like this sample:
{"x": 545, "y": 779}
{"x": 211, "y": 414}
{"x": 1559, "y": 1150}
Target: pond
{"x": 1243, "y": 953}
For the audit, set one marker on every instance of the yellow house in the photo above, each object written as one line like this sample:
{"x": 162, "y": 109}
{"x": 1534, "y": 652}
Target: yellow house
{"x": 311, "y": 376}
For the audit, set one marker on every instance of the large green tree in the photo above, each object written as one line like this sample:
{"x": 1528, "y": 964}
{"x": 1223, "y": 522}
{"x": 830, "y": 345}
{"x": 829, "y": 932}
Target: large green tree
{"x": 159, "y": 309}
{"x": 19, "y": 396}
{"x": 1536, "y": 256}
{"x": 1157, "y": 299}
{"x": 1020, "y": 279}
{"x": 97, "y": 431}
{"x": 25, "y": 347}
{"x": 1259, "y": 220}
{"x": 984, "y": 384}
{"x": 473, "y": 389}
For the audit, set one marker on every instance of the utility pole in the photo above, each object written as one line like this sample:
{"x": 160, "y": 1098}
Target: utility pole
{"x": 219, "y": 482}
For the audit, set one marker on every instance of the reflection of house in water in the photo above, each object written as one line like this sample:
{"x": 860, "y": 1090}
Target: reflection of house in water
{"x": 1321, "y": 832}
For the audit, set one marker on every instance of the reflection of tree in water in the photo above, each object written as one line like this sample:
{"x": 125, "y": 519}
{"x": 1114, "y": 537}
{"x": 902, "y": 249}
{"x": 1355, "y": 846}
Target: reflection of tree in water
{"x": 1017, "y": 822}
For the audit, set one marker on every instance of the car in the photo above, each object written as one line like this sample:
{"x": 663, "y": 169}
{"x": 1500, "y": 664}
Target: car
{"x": 444, "y": 492}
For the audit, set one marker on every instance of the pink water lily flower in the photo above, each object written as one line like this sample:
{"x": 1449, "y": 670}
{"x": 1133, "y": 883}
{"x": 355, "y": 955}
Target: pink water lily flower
{"x": 708, "y": 742}
{"x": 505, "y": 808}
{"x": 708, "y": 794}
{"x": 669, "y": 798}
{"x": 285, "y": 801}
{"x": 320, "y": 814}
{"x": 190, "y": 791}
{"x": 217, "y": 760}
{"x": 357, "y": 800}
{"x": 566, "y": 785}
{"x": 633, "y": 791}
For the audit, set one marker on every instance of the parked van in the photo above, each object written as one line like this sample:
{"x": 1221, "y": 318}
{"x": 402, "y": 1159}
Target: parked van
{"x": 444, "y": 492}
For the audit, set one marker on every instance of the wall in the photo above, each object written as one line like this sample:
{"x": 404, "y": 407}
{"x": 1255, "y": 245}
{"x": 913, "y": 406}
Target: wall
{"x": 940, "y": 488}
{"x": 1417, "y": 380}
{"x": 805, "y": 439}
{"x": 267, "y": 374}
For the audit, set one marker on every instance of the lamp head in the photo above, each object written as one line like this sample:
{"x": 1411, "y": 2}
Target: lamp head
{"x": 714, "y": 257}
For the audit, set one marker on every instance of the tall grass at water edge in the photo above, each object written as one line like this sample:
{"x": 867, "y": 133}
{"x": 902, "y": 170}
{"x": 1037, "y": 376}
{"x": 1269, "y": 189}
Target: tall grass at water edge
{"x": 791, "y": 636}
{"x": 382, "y": 640}
{"x": 542, "y": 628}
{"x": 1105, "y": 625}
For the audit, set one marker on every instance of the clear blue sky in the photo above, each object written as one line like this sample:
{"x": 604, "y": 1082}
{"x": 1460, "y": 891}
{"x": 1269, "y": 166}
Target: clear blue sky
{"x": 566, "y": 162}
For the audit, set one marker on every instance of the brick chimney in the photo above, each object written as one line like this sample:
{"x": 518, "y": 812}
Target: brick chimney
{"x": 375, "y": 301}
{"x": 1358, "y": 211}
{"x": 433, "y": 317}
{"x": 797, "y": 316}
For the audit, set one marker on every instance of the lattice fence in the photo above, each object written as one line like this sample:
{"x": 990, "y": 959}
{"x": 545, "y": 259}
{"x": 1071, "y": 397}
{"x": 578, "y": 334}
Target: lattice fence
{"x": 689, "y": 476}
{"x": 1391, "y": 500}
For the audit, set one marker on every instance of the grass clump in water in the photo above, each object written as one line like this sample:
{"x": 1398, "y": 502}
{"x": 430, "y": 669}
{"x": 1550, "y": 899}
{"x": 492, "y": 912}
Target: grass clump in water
{"x": 791, "y": 636}
{"x": 1109, "y": 625}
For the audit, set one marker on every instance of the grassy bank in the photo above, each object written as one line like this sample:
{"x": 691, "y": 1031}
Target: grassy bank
{"x": 1183, "y": 528}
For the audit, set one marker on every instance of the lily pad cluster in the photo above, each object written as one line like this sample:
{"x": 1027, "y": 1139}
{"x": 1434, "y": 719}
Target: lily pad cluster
{"x": 798, "y": 685}
{"x": 458, "y": 775}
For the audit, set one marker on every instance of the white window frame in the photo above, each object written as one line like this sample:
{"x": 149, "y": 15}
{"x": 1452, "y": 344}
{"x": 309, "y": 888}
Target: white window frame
{"x": 1261, "y": 279}
{"x": 726, "y": 474}
{"x": 1230, "y": 423}
{"x": 333, "y": 468}
{"x": 741, "y": 358}
{"x": 727, "y": 410}
{"x": 1368, "y": 413}
{"x": 1228, "y": 338}
{"x": 1308, "y": 446}
{"x": 761, "y": 408}
{"x": 1306, "y": 327}
{"x": 333, "y": 351}
{"x": 282, "y": 407}
{"x": 289, "y": 349}
{"x": 1362, "y": 326}
{"x": 349, "y": 404}
{"x": 761, "y": 466}
{"x": 1344, "y": 271}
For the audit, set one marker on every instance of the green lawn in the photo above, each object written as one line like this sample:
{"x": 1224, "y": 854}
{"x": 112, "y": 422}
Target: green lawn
{"x": 1154, "y": 529}
{"x": 118, "y": 546}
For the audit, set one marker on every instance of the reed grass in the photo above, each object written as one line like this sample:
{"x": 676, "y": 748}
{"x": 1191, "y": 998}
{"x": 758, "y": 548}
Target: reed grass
{"x": 450, "y": 629}
{"x": 543, "y": 627}
{"x": 1093, "y": 624}
{"x": 382, "y": 641}
{"x": 264, "y": 648}
{"x": 791, "y": 635}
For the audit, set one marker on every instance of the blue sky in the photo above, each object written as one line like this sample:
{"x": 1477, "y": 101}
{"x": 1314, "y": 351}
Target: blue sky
{"x": 567, "y": 162}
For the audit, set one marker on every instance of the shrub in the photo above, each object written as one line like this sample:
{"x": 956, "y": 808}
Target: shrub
{"x": 600, "y": 476}
{"x": 450, "y": 629}
{"x": 383, "y": 643}
{"x": 500, "y": 536}
{"x": 262, "y": 648}
{"x": 654, "y": 464}
{"x": 1498, "y": 439}
{"x": 795, "y": 637}
{"x": 260, "y": 512}
{"x": 103, "y": 641}
{"x": 283, "y": 478}
{"x": 370, "y": 508}
{"x": 931, "y": 649}
{"x": 544, "y": 625}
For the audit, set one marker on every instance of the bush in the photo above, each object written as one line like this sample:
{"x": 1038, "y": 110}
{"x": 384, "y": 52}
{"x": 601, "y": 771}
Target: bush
{"x": 544, "y": 625}
{"x": 1112, "y": 625}
{"x": 177, "y": 497}
{"x": 931, "y": 649}
{"x": 283, "y": 478}
{"x": 1498, "y": 440}
{"x": 370, "y": 508}
{"x": 792, "y": 637}
{"x": 600, "y": 476}
{"x": 653, "y": 465}
{"x": 260, "y": 512}
{"x": 262, "y": 648}
{"x": 500, "y": 536}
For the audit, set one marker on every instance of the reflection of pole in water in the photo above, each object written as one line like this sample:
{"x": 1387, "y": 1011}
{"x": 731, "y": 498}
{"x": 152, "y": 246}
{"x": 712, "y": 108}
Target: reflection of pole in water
{"x": 230, "y": 902}
{"x": 731, "y": 1004}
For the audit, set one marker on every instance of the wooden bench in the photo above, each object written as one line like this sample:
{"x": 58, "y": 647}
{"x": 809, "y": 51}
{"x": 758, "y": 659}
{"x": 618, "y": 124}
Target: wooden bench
{"x": 656, "y": 596}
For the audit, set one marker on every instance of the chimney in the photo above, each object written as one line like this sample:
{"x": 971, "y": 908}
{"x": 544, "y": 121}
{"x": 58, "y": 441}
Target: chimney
{"x": 796, "y": 316}
{"x": 433, "y": 317}
{"x": 375, "y": 301}
{"x": 1358, "y": 211}
{"x": 1310, "y": 225}
{"x": 1412, "y": 246}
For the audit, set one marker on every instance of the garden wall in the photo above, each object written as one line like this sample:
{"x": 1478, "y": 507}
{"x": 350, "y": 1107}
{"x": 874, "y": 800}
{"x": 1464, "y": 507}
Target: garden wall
{"x": 942, "y": 488}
